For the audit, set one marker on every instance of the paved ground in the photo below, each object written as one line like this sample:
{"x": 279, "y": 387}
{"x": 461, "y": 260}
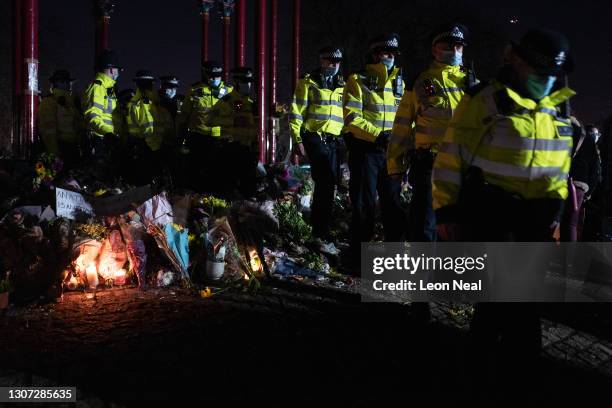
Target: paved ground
{"x": 288, "y": 345}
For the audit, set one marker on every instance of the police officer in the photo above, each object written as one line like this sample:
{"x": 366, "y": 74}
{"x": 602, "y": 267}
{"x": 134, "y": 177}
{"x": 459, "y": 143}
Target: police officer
{"x": 420, "y": 125}
{"x": 168, "y": 94}
{"x": 235, "y": 117}
{"x": 501, "y": 174}
{"x": 172, "y": 101}
{"x": 149, "y": 124}
{"x": 102, "y": 116}
{"x": 316, "y": 123}
{"x": 60, "y": 120}
{"x": 202, "y": 139}
{"x": 370, "y": 103}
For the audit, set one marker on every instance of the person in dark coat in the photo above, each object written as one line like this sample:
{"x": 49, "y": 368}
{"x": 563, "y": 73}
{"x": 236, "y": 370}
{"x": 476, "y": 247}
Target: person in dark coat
{"x": 584, "y": 177}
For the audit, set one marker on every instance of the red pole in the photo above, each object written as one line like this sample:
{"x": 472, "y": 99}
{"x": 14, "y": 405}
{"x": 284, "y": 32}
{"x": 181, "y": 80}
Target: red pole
{"x": 103, "y": 10}
{"x": 30, "y": 91}
{"x": 273, "y": 72}
{"x": 205, "y": 24}
{"x": 102, "y": 34}
{"x": 240, "y": 33}
{"x": 274, "y": 52}
{"x": 297, "y": 16}
{"x": 262, "y": 72}
{"x": 228, "y": 8}
{"x": 17, "y": 75}
{"x": 205, "y": 7}
{"x": 226, "y": 47}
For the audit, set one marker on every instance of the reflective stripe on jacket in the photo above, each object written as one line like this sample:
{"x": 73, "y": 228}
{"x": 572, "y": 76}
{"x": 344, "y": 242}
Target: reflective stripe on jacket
{"x": 424, "y": 113}
{"x": 147, "y": 119}
{"x": 524, "y": 148}
{"x": 370, "y": 104}
{"x": 195, "y": 111}
{"x": 59, "y": 119}
{"x": 100, "y": 106}
{"x": 316, "y": 109}
{"x": 234, "y": 115}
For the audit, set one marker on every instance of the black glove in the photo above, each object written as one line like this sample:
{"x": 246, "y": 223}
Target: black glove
{"x": 383, "y": 139}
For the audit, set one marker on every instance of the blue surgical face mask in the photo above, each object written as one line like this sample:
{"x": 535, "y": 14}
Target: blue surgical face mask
{"x": 539, "y": 86}
{"x": 388, "y": 62}
{"x": 170, "y": 93}
{"x": 453, "y": 58}
{"x": 214, "y": 82}
{"x": 329, "y": 71}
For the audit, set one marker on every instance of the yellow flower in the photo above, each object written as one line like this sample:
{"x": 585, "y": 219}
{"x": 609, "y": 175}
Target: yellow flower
{"x": 205, "y": 293}
{"x": 40, "y": 168}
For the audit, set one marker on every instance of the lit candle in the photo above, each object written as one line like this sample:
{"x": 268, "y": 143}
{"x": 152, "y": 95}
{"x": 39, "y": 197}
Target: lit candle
{"x": 120, "y": 277}
{"x": 73, "y": 283}
{"x": 92, "y": 275}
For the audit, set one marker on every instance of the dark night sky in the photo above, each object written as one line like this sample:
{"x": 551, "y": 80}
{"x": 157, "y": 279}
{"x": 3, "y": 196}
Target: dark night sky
{"x": 164, "y": 36}
{"x": 589, "y": 30}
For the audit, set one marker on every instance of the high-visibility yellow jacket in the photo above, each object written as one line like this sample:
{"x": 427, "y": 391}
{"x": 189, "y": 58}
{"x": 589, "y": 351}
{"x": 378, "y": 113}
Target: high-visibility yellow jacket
{"x": 195, "y": 111}
{"x": 316, "y": 108}
{"x": 148, "y": 120}
{"x": 100, "y": 106}
{"x": 370, "y": 104}
{"x": 521, "y": 145}
{"x": 59, "y": 119}
{"x": 234, "y": 115}
{"x": 424, "y": 112}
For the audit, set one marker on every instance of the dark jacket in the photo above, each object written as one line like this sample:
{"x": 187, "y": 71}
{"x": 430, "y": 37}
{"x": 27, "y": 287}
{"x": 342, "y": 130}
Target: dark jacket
{"x": 586, "y": 164}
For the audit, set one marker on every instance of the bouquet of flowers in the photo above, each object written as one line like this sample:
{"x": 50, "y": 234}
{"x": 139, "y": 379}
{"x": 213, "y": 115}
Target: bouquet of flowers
{"x": 213, "y": 205}
{"x": 47, "y": 168}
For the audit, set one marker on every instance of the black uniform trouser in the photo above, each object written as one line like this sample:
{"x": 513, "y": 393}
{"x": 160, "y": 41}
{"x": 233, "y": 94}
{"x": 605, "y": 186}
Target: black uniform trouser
{"x": 147, "y": 163}
{"x": 421, "y": 216}
{"x": 205, "y": 161}
{"x": 508, "y": 332}
{"x": 104, "y": 156}
{"x": 247, "y": 169}
{"x": 238, "y": 168}
{"x": 368, "y": 167}
{"x": 325, "y": 168}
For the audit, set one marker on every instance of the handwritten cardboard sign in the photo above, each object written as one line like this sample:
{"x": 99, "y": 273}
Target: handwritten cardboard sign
{"x": 70, "y": 203}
